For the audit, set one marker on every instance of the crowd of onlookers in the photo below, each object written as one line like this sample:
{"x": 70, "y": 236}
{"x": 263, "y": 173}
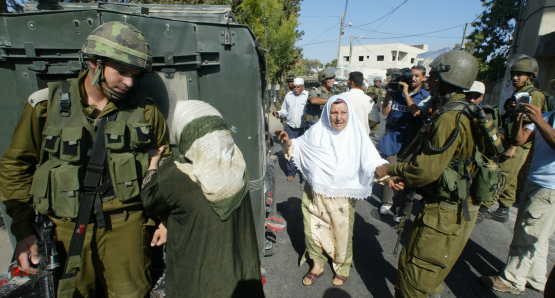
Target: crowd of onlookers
{"x": 521, "y": 126}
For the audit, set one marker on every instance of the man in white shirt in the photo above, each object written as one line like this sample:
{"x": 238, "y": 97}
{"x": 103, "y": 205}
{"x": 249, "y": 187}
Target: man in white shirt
{"x": 292, "y": 110}
{"x": 362, "y": 103}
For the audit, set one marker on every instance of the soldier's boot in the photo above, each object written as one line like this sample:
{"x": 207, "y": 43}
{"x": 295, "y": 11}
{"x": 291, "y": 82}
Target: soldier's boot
{"x": 482, "y": 214}
{"x": 501, "y": 214}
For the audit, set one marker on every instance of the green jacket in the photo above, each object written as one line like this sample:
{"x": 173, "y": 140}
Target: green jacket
{"x": 537, "y": 99}
{"x": 20, "y": 160}
{"x": 379, "y": 91}
{"x": 427, "y": 168}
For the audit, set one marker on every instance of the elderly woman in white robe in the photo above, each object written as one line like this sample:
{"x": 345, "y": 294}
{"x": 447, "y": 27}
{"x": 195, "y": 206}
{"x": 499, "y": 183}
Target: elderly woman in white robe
{"x": 339, "y": 161}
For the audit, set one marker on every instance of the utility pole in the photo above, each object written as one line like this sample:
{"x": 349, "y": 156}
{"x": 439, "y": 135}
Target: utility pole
{"x": 340, "y": 34}
{"x": 464, "y": 36}
{"x": 351, "y": 51}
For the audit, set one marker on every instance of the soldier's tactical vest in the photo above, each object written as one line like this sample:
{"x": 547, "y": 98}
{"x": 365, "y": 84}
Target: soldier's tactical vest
{"x": 312, "y": 112}
{"x": 67, "y": 144}
{"x": 478, "y": 176}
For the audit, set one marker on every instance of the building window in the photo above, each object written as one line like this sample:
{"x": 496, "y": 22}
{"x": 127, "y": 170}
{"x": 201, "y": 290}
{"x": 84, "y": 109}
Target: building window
{"x": 411, "y": 60}
{"x": 367, "y": 57}
{"x": 360, "y": 58}
{"x": 380, "y": 58}
{"x": 393, "y": 58}
{"x": 346, "y": 58}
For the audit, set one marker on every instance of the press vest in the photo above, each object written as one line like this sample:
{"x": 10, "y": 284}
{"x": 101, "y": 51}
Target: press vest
{"x": 67, "y": 144}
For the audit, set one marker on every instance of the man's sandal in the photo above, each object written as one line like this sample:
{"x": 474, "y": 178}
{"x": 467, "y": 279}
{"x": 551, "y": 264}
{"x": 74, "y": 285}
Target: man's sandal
{"x": 339, "y": 277}
{"x": 312, "y": 277}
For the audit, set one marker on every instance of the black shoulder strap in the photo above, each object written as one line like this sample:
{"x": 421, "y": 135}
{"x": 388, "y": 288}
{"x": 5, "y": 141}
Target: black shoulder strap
{"x": 551, "y": 119}
{"x": 65, "y": 103}
{"x": 91, "y": 194}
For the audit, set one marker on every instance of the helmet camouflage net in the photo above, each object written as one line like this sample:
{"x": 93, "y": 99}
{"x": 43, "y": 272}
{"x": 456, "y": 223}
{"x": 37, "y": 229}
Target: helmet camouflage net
{"x": 526, "y": 64}
{"x": 325, "y": 74}
{"x": 120, "y": 42}
{"x": 458, "y": 68}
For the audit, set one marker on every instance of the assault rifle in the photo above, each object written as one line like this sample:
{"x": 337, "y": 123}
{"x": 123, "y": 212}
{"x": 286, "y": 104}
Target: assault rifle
{"x": 48, "y": 256}
{"x": 415, "y": 148}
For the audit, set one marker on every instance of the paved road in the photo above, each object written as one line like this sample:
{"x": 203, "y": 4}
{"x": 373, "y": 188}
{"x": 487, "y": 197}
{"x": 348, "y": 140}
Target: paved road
{"x": 374, "y": 265}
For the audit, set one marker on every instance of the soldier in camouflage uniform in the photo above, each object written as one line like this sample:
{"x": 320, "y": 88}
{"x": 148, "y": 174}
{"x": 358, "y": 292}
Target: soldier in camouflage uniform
{"x": 379, "y": 92}
{"x": 49, "y": 155}
{"x": 318, "y": 97}
{"x": 522, "y": 72}
{"x": 443, "y": 226}
{"x": 377, "y": 89}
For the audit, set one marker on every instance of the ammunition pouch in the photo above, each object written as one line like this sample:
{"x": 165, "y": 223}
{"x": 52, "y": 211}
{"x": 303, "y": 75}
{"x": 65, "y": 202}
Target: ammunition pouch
{"x": 456, "y": 183}
{"x": 124, "y": 170}
{"x": 489, "y": 181}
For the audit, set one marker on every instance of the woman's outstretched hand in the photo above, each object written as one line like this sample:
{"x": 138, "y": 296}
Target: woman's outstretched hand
{"x": 284, "y": 139}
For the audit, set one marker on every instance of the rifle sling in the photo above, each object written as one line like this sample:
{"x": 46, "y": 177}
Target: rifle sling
{"x": 90, "y": 198}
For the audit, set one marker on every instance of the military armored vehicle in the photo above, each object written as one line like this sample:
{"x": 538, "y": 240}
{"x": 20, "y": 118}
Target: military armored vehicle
{"x": 199, "y": 52}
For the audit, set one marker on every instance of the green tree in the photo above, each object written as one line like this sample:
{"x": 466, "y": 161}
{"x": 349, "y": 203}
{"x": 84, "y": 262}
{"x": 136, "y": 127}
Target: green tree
{"x": 333, "y": 63}
{"x": 490, "y": 37}
{"x": 307, "y": 67}
{"x": 280, "y": 18}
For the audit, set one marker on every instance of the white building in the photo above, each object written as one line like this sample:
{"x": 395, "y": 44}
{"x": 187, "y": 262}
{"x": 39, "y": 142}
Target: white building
{"x": 377, "y": 58}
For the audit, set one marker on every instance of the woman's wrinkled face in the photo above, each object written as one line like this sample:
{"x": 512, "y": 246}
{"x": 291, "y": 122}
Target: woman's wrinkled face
{"x": 339, "y": 116}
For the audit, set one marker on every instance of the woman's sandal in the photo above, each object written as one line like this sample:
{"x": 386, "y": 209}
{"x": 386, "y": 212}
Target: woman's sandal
{"x": 339, "y": 277}
{"x": 312, "y": 277}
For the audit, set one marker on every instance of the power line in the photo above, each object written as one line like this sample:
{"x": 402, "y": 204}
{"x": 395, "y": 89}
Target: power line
{"x": 301, "y": 16}
{"x": 309, "y": 44}
{"x": 394, "y": 37}
{"x": 323, "y": 33}
{"x": 389, "y": 13}
{"x": 412, "y": 35}
{"x": 480, "y": 15}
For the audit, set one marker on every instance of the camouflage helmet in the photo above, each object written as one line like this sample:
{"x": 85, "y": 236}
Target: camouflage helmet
{"x": 290, "y": 78}
{"x": 120, "y": 42}
{"x": 458, "y": 68}
{"x": 526, "y": 64}
{"x": 325, "y": 74}
{"x": 377, "y": 79}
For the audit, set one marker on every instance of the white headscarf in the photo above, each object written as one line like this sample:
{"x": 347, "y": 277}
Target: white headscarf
{"x": 337, "y": 163}
{"x": 212, "y": 158}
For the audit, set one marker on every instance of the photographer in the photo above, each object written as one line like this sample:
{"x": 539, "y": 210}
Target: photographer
{"x": 405, "y": 110}
{"x": 526, "y": 265}
{"x": 522, "y": 72}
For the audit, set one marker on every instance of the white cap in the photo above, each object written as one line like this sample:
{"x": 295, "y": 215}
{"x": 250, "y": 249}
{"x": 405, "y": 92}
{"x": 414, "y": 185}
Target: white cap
{"x": 298, "y": 81}
{"x": 477, "y": 87}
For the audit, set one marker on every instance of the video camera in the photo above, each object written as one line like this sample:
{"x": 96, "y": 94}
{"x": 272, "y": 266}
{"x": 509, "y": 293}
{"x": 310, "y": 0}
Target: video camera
{"x": 520, "y": 98}
{"x": 403, "y": 75}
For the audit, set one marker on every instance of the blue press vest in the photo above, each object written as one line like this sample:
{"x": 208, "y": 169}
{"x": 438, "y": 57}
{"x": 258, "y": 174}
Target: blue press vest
{"x": 401, "y": 124}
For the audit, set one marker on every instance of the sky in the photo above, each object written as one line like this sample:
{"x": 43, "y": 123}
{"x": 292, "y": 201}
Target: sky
{"x": 320, "y": 21}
